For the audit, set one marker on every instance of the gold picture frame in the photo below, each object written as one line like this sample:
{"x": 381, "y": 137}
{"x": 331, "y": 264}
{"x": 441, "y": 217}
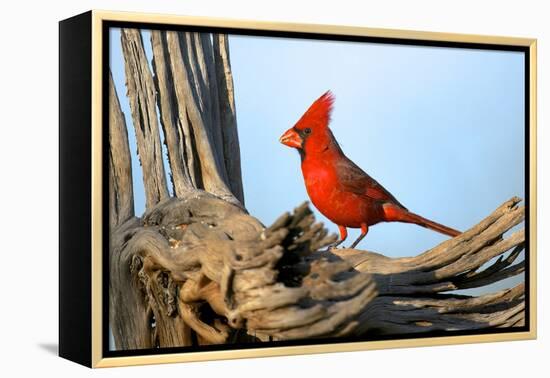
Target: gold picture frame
{"x": 90, "y": 327}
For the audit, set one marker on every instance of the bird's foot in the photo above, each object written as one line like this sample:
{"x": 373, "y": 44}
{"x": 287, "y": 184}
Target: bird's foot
{"x": 335, "y": 245}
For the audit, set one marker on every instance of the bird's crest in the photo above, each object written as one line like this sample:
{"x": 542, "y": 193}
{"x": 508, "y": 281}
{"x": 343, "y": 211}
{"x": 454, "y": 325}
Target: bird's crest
{"x": 319, "y": 112}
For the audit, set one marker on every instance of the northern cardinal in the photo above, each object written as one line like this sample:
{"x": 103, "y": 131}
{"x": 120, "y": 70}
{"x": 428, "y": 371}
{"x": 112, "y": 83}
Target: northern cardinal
{"x": 341, "y": 190}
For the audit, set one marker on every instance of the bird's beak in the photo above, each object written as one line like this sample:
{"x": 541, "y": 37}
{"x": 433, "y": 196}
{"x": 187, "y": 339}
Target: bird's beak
{"x": 291, "y": 138}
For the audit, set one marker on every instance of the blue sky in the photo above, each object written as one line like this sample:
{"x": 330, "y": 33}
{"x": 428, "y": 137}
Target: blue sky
{"x": 440, "y": 128}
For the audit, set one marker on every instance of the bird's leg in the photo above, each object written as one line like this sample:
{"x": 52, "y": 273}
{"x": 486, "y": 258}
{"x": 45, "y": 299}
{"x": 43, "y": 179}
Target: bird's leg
{"x": 343, "y": 236}
{"x": 364, "y": 230}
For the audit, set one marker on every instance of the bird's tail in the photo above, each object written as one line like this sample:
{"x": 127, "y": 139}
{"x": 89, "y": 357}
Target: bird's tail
{"x": 394, "y": 213}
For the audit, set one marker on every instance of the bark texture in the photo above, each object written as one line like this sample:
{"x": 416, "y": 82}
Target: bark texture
{"x": 197, "y": 269}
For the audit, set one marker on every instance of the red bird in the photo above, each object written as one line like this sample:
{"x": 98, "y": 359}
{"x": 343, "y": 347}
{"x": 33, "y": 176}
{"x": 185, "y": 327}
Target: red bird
{"x": 341, "y": 190}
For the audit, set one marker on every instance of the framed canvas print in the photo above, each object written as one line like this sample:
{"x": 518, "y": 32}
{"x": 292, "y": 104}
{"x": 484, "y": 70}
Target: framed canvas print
{"x": 235, "y": 189}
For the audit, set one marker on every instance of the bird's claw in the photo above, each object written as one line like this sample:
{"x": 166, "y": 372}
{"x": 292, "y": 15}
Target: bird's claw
{"x": 335, "y": 245}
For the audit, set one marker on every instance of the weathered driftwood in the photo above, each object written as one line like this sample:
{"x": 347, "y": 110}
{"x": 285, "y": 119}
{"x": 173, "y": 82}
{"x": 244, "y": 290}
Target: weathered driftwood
{"x": 228, "y": 117}
{"x": 174, "y": 124}
{"x": 205, "y": 261}
{"x": 453, "y": 264}
{"x": 409, "y": 299}
{"x": 216, "y": 268}
{"x": 198, "y": 269}
{"x": 209, "y": 172}
{"x": 121, "y": 196}
{"x": 141, "y": 95}
{"x": 197, "y": 113}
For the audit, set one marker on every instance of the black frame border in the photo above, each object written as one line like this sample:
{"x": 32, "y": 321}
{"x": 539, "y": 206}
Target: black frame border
{"x": 75, "y": 197}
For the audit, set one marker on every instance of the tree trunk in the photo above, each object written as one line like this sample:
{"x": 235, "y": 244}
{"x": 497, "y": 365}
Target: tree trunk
{"x": 197, "y": 269}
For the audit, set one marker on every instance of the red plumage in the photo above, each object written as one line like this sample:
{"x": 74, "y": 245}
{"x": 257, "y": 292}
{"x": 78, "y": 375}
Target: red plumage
{"x": 337, "y": 187}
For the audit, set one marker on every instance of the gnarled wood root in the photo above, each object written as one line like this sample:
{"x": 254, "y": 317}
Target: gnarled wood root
{"x": 199, "y": 270}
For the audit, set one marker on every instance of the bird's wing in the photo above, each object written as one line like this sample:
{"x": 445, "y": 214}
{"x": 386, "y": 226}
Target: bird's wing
{"x": 357, "y": 181}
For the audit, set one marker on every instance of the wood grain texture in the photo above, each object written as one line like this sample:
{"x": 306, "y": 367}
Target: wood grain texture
{"x": 121, "y": 195}
{"x": 142, "y": 98}
{"x": 230, "y": 279}
{"x": 228, "y": 118}
{"x": 173, "y": 118}
{"x": 455, "y": 263}
{"x": 190, "y": 91}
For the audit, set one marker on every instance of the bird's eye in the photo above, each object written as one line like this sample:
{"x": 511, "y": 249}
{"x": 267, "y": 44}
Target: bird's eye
{"x": 307, "y": 130}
